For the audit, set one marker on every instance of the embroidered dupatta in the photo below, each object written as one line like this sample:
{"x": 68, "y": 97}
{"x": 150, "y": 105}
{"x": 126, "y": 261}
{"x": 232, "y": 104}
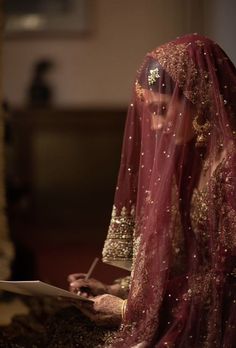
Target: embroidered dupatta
{"x": 177, "y": 235}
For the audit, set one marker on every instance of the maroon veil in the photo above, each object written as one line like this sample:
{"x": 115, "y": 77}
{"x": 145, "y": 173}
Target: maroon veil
{"x": 174, "y": 216}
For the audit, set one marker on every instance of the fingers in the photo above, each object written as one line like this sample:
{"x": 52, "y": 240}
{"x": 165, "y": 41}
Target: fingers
{"x": 83, "y": 294}
{"x": 74, "y": 276}
{"x": 77, "y": 285}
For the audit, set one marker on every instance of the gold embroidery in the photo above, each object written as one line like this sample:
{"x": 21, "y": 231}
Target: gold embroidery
{"x": 199, "y": 286}
{"x": 200, "y": 43}
{"x": 227, "y": 231}
{"x": 138, "y": 266}
{"x": 139, "y": 90}
{"x": 199, "y": 214}
{"x": 140, "y": 281}
{"x": 176, "y": 232}
{"x": 217, "y": 191}
{"x": 136, "y": 246}
{"x": 194, "y": 82}
{"x": 118, "y": 247}
{"x": 227, "y": 227}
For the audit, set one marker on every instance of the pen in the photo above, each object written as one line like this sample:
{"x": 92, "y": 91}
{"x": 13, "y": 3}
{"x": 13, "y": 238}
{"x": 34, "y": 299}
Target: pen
{"x": 91, "y": 268}
{"x": 90, "y": 271}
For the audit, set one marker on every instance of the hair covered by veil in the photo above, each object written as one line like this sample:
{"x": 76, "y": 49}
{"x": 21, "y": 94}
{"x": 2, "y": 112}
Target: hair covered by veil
{"x": 174, "y": 216}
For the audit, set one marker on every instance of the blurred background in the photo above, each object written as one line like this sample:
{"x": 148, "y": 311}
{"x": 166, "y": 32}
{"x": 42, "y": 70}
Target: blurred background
{"x": 68, "y": 70}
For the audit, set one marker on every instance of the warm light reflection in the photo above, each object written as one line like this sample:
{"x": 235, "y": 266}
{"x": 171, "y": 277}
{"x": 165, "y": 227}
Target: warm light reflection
{"x": 29, "y": 22}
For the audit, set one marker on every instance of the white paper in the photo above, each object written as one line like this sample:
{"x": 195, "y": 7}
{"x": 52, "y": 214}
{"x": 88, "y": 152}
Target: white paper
{"x": 38, "y": 288}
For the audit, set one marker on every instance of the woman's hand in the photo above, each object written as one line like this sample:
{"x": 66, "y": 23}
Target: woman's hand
{"x": 88, "y": 288}
{"x": 105, "y": 310}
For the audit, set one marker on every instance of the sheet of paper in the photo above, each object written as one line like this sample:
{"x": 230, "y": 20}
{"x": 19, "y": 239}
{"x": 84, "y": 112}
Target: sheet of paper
{"x": 38, "y": 288}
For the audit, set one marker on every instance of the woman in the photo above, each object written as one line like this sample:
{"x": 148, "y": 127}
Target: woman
{"x": 174, "y": 216}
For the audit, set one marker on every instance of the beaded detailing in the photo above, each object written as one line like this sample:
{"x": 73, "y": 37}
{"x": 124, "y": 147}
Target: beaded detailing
{"x": 153, "y": 76}
{"x": 221, "y": 185}
{"x": 175, "y": 59}
{"x": 139, "y": 90}
{"x": 118, "y": 247}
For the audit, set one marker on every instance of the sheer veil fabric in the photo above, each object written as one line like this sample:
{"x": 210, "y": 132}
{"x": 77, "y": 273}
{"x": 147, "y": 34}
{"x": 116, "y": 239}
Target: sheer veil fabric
{"x": 174, "y": 216}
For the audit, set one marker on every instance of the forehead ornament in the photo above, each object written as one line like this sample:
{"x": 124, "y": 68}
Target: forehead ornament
{"x": 153, "y": 76}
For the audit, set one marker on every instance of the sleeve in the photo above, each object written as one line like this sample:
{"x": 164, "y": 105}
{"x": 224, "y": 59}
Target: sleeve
{"x": 118, "y": 247}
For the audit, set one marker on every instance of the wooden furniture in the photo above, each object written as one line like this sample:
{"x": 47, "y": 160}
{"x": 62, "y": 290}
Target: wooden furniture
{"x": 67, "y": 163}
{"x": 68, "y": 160}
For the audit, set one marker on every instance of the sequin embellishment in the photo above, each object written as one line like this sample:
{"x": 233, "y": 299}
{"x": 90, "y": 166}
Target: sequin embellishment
{"x": 118, "y": 247}
{"x": 153, "y": 76}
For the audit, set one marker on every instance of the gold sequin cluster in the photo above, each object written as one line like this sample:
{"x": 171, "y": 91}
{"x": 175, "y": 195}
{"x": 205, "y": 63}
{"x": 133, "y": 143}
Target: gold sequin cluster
{"x": 194, "y": 81}
{"x": 218, "y": 191}
{"x": 118, "y": 247}
{"x": 139, "y": 90}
